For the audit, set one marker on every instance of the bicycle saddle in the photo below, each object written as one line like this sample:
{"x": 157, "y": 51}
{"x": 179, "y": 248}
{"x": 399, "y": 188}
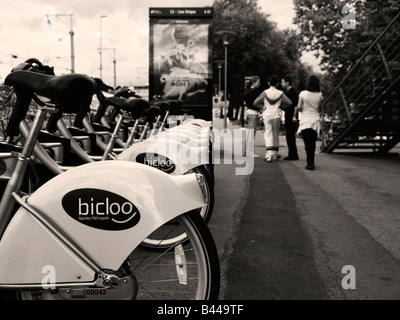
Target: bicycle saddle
{"x": 163, "y": 105}
{"x": 175, "y": 106}
{"x": 150, "y": 114}
{"x": 34, "y": 65}
{"x": 101, "y": 85}
{"x": 166, "y": 105}
{"x": 58, "y": 88}
{"x": 125, "y": 92}
{"x": 134, "y": 106}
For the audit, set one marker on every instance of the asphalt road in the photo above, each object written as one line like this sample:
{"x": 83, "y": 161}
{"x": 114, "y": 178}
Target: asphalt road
{"x": 286, "y": 233}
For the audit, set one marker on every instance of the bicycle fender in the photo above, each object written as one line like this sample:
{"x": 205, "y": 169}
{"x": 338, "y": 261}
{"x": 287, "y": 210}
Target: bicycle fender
{"x": 106, "y": 209}
{"x": 190, "y": 130}
{"x": 185, "y": 134}
{"x": 167, "y": 155}
{"x": 197, "y": 122}
{"x": 189, "y": 137}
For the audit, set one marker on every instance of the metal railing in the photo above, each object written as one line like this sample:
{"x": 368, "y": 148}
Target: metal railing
{"x": 360, "y": 94}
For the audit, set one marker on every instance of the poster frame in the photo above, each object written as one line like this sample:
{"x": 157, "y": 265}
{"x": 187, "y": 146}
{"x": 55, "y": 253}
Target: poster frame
{"x": 189, "y": 16}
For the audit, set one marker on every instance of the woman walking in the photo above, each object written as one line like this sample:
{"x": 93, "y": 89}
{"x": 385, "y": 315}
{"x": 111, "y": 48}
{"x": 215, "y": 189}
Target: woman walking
{"x": 310, "y": 123}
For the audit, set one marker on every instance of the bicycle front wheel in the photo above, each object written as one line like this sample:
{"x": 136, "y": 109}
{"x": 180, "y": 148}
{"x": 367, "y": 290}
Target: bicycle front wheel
{"x": 184, "y": 271}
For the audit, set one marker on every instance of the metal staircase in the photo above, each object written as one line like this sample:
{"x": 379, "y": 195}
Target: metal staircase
{"x": 363, "y": 111}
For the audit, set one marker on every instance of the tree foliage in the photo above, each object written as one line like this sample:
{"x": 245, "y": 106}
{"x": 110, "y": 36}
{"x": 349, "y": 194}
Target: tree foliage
{"x": 256, "y": 46}
{"x": 322, "y": 29}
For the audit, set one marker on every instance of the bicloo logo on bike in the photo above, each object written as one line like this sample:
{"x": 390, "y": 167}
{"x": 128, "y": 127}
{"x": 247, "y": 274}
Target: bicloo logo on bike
{"x": 101, "y": 209}
{"x": 157, "y": 161}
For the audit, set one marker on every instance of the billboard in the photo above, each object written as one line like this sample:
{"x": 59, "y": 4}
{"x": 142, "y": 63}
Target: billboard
{"x": 181, "y": 58}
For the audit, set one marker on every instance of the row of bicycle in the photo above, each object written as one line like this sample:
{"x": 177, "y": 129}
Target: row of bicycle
{"x": 98, "y": 209}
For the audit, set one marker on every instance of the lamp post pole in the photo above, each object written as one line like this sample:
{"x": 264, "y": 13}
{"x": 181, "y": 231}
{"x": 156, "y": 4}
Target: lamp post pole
{"x": 225, "y": 35}
{"x": 226, "y": 43}
{"x": 219, "y": 64}
{"x": 71, "y": 33}
{"x": 219, "y": 78}
{"x": 115, "y": 70}
{"x": 115, "y": 66}
{"x": 101, "y": 49}
{"x": 219, "y": 89}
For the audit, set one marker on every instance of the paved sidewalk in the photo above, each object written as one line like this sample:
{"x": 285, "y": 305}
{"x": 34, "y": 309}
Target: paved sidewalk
{"x": 290, "y": 231}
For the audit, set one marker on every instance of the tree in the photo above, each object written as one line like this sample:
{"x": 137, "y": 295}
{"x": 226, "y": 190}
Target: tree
{"x": 256, "y": 46}
{"x": 323, "y": 29}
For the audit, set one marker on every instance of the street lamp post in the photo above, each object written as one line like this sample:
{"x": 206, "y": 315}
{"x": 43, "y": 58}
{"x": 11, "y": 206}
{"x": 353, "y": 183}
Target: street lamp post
{"x": 219, "y": 88}
{"x": 225, "y": 35}
{"x": 226, "y": 43}
{"x": 219, "y": 64}
{"x": 71, "y": 33}
{"x": 115, "y": 66}
{"x": 219, "y": 78}
{"x": 100, "y": 50}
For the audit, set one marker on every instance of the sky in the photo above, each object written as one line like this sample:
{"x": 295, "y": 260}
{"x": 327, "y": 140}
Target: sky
{"x": 25, "y": 33}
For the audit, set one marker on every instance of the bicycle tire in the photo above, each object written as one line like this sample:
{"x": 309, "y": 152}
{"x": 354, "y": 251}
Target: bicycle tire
{"x": 200, "y": 244}
{"x": 206, "y": 212}
{"x": 158, "y": 274}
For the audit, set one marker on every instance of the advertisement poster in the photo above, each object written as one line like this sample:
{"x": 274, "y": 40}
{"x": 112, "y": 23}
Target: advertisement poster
{"x": 180, "y": 58}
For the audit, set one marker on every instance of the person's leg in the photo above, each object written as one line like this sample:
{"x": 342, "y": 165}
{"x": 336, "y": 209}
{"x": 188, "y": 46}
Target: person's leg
{"x": 252, "y": 122}
{"x": 291, "y": 128}
{"x": 313, "y": 142}
{"x": 306, "y": 140}
{"x": 268, "y": 139}
{"x": 276, "y": 123}
{"x": 252, "y": 125}
{"x": 309, "y": 138}
{"x": 235, "y": 113}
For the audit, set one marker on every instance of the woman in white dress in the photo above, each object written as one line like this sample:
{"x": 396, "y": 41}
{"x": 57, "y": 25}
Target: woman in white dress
{"x": 310, "y": 121}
